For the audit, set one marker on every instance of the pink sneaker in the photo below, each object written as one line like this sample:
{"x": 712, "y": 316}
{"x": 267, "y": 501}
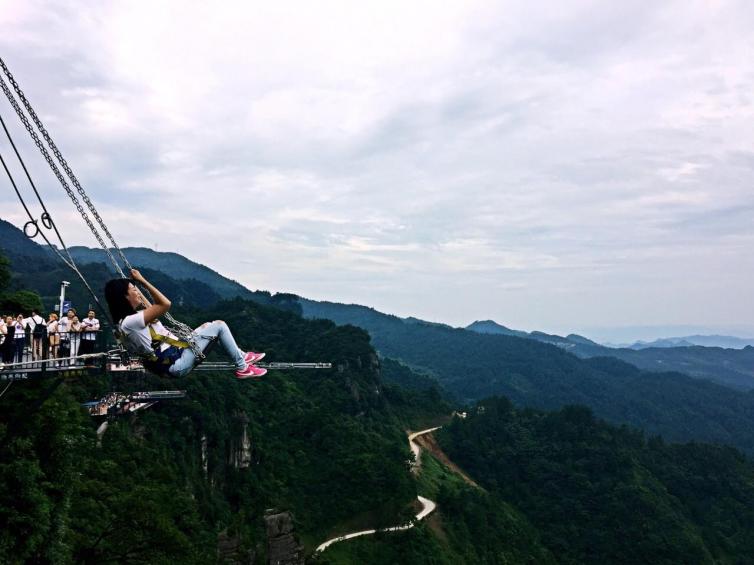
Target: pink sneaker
{"x": 251, "y": 372}
{"x": 252, "y": 357}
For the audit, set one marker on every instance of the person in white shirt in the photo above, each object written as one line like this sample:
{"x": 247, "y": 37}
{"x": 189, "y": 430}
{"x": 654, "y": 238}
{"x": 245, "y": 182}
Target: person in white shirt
{"x": 36, "y": 324}
{"x": 64, "y": 331}
{"x": 75, "y": 330}
{"x": 162, "y": 352}
{"x": 89, "y": 329}
{"x": 19, "y": 338}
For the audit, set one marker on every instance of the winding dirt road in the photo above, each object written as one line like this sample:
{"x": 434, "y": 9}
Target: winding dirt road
{"x": 427, "y": 505}
{"x": 416, "y": 448}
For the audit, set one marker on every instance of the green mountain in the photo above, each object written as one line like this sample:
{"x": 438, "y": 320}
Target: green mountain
{"x": 473, "y": 366}
{"x": 565, "y": 487}
{"x": 492, "y": 327}
{"x": 177, "y": 265}
{"x": 188, "y": 283}
{"x": 727, "y": 366}
{"x": 724, "y": 341}
{"x": 600, "y": 494}
{"x": 730, "y": 367}
{"x": 19, "y": 248}
{"x": 193, "y": 278}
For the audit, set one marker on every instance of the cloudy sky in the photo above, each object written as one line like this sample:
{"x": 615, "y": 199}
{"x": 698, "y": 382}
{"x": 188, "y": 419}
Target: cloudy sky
{"x": 556, "y": 165}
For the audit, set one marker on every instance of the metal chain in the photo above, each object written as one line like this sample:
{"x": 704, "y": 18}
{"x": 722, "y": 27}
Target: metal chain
{"x": 47, "y": 221}
{"x": 54, "y": 167}
{"x": 69, "y": 260}
{"x": 182, "y": 330}
{"x": 62, "y": 160}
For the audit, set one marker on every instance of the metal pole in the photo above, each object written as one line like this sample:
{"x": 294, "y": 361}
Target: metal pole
{"x": 63, "y": 284}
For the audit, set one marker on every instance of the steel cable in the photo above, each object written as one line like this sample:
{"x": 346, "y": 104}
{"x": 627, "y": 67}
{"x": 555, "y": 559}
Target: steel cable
{"x": 182, "y": 330}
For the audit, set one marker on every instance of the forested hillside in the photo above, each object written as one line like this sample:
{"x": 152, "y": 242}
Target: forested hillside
{"x": 565, "y": 487}
{"x": 474, "y": 366}
{"x": 601, "y": 494}
{"x": 166, "y": 481}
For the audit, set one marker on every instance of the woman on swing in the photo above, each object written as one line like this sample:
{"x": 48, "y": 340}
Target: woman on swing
{"x": 162, "y": 352}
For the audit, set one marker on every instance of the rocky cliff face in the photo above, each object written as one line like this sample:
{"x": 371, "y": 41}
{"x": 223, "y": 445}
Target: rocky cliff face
{"x": 204, "y": 455}
{"x": 359, "y": 392}
{"x": 240, "y": 449}
{"x": 230, "y": 551}
{"x": 282, "y": 546}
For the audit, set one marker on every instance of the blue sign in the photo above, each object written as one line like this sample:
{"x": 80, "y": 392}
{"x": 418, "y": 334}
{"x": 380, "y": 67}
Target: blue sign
{"x": 66, "y": 306}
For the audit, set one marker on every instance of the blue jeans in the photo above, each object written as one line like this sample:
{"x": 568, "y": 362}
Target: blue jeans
{"x": 203, "y": 336}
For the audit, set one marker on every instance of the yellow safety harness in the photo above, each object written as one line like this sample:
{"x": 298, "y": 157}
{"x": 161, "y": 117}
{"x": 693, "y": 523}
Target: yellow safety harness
{"x": 159, "y": 339}
{"x": 161, "y": 359}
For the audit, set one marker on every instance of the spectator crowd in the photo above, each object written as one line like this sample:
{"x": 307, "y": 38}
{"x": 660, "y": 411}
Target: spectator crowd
{"x": 34, "y": 339}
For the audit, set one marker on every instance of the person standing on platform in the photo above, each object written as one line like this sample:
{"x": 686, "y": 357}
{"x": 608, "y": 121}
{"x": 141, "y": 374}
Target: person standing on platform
{"x": 8, "y": 346}
{"x": 64, "y": 331}
{"x": 89, "y": 329}
{"x": 75, "y": 331}
{"x": 38, "y": 331}
{"x": 53, "y": 337}
{"x": 19, "y": 338}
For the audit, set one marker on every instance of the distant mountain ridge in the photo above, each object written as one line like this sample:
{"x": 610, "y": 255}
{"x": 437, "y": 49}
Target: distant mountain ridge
{"x": 18, "y": 247}
{"x": 730, "y": 367}
{"x": 176, "y": 265}
{"x": 724, "y": 341}
{"x": 492, "y": 327}
{"x": 180, "y": 276}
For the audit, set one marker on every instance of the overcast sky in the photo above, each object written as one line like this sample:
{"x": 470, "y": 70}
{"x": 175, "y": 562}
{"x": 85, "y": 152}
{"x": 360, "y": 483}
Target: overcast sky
{"x": 561, "y": 166}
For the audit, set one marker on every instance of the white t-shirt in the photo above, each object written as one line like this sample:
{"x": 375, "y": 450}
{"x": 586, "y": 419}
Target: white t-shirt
{"x": 64, "y": 327}
{"x": 136, "y": 334}
{"x": 34, "y": 321}
{"x": 88, "y": 327}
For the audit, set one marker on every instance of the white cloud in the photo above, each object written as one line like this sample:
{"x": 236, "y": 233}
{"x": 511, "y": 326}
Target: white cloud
{"x": 454, "y": 161}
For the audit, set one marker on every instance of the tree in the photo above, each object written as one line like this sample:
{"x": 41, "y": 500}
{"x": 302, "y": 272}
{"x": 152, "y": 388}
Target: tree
{"x": 4, "y": 272}
{"x": 21, "y": 302}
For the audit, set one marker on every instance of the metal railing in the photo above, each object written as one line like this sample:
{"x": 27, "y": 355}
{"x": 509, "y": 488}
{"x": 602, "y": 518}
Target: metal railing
{"x": 51, "y": 349}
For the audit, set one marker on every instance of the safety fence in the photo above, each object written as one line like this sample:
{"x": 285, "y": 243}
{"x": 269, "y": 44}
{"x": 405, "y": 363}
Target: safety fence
{"x": 38, "y": 351}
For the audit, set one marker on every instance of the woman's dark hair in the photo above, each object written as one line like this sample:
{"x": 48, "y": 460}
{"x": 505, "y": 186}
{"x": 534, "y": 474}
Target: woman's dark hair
{"x": 115, "y": 294}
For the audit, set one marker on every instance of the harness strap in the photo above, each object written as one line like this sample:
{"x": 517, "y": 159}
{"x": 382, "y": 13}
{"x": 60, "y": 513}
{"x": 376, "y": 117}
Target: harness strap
{"x": 160, "y": 360}
{"x": 167, "y": 339}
